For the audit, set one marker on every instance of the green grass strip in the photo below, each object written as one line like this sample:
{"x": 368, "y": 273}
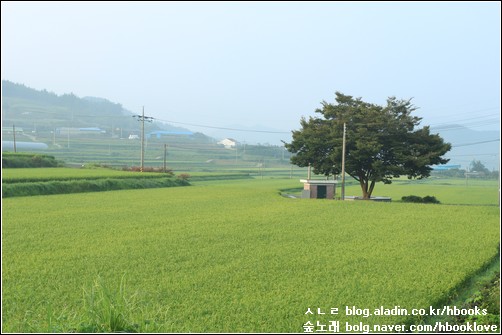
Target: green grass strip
{"x": 79, "y": 186}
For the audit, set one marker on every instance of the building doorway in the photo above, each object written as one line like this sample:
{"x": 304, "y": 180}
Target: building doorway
{"x": 321, "y": 191}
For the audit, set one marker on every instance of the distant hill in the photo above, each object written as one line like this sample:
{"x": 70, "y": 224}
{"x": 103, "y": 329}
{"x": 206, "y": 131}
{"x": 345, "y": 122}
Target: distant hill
{"x": 469, "y": 145}
{"x": 35, "y": 110}
{"x": 41, "y": 112}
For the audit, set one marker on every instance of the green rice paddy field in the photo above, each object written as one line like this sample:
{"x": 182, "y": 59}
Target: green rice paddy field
{"x": 236, "y": 256}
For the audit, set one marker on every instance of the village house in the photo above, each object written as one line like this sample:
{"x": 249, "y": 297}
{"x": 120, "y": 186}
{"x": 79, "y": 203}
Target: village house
{"x": 229, "y": 143}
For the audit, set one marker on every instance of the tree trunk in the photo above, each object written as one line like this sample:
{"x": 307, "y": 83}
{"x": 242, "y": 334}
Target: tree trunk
{"x": 370, "y": 191}
{"x": 367, "y": 188}
{"x": 364, "y": 188}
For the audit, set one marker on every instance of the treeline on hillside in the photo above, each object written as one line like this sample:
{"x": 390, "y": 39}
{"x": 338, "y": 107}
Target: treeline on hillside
{"x": 42, "y": 110}
{"x": 275, "y": 151}
{"x": 461, "y": 173}
{"x": 476, "y": 170}
{"x": 71, "y": 101}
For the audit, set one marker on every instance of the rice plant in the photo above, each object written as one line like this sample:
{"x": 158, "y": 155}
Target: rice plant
{"x": 107, "y": 309}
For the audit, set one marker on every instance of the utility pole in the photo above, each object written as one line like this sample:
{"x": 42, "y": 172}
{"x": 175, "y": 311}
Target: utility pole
{"x": 14, "y": 134}
{"x": 343, "y": 163}
{"x": 165, "y": 157}
{"x": 143, "y": 118}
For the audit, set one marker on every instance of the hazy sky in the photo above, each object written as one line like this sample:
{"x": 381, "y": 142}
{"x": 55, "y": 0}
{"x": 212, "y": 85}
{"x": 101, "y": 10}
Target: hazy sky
{"x": 261, "y": 65}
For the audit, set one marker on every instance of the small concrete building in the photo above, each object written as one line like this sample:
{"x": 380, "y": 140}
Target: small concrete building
{"x": 318, "y": 189}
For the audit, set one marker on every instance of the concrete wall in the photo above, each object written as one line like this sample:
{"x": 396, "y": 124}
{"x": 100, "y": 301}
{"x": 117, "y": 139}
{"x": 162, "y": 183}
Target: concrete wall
{"x": 311, "y": 190}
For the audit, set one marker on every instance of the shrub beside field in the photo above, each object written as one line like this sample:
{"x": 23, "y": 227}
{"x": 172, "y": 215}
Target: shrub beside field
{"x": 46, "y": 181}
{"x": 10, "y": 176}
{"x": 27, "y": 182}
{"x": 230, "y": 256}
{"x": 416, "y": 199}
{"x": 26, "y": 160}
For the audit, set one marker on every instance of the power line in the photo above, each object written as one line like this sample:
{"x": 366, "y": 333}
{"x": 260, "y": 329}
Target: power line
{"x": 438, "y": 126}
{"x": 456, "y": 114}
{"x": 474, "y": 154}
{"x": 478, "y": 117}
{"x": 474, "y": 143}
{"x": 225, "y": 128}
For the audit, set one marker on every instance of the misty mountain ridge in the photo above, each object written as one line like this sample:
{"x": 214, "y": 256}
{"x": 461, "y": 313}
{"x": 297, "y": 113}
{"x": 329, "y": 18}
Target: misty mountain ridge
{"x": 32, "y": 109}
{"x": 468, "y": 145}
{"x": 42, "y": 110}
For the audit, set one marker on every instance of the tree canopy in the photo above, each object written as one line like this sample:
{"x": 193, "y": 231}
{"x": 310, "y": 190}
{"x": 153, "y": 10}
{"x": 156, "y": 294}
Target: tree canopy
{"x": 382, "y": 142}
{"x": 477, "y": 166}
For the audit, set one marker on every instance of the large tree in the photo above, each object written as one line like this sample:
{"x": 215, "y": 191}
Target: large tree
{"x": 382, "y": 142}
